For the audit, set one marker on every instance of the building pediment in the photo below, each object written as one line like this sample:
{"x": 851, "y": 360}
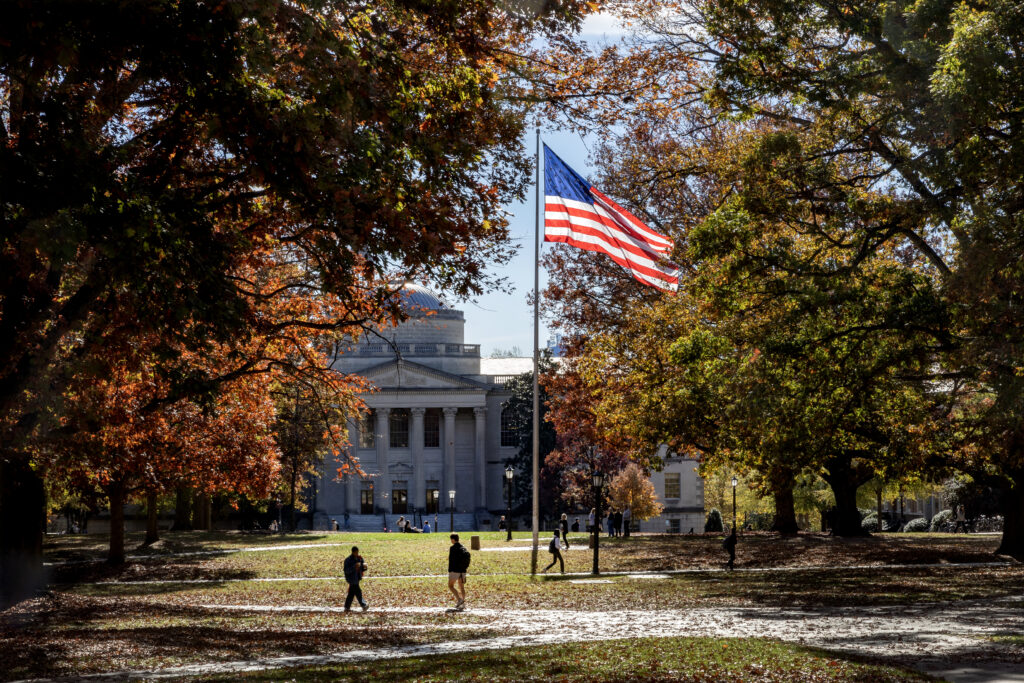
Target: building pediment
{"x": 403, "y": 374}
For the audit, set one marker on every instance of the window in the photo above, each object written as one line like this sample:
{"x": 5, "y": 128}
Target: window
{"x": 672, "y": 485}
{"x": 673, "y": 524}
{"x": 366, "y": 427}
{"x": 432, "y": 430}
{"x": 399, "y": 431}
{"x": 433, "y": 497}
{"x": 509, "y": 427}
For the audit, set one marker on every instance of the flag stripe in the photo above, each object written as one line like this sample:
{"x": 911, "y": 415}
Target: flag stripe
{"x": 599, "y": 241}
{"x": 576, "y": 213}
{"x": 597, "y": 217}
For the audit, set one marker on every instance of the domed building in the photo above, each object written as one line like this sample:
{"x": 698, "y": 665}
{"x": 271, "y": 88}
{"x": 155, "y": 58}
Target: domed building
{"x": 434, "y": 426}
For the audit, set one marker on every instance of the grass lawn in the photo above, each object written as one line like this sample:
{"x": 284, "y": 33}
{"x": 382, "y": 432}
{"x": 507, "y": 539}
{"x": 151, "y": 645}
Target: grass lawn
{"x": 648, "y": 659}
{"x": 416, "y": 554}
{"x": 90, "y": 624}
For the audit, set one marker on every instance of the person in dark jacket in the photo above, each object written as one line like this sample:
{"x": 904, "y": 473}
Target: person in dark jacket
{"x": 354, "y": 568}
{"x": 576, "y": 526}
{"x": 563, "y": 524}
{"x": 730, "y": 546}
{"x": 556, "y": 554}
{"x": 458, "y": 563}
{"x": 618, "y": 522}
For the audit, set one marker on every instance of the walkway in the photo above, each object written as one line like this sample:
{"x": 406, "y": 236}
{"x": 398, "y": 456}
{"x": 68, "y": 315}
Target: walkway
{"x": 950, "y": 640}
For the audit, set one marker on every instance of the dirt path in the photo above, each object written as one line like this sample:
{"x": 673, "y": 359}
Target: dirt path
{"x": 950, "y": 640}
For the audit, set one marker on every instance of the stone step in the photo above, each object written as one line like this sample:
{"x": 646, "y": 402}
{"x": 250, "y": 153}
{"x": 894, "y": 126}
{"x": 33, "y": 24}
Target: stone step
{"x": 464, "y": 521}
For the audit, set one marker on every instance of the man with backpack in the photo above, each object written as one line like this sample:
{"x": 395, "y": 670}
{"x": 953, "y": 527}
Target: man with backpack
{"x": 458, "y": 564}
{"x": 556, "y": 554}
{"x": 354, "y": 568}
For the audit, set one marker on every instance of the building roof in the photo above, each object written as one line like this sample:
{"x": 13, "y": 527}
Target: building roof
{"x": 505, "y": 366}
{"x": 420, "y": 298}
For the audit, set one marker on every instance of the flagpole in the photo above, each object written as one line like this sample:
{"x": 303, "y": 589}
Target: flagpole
{"x": 536, "y": 368}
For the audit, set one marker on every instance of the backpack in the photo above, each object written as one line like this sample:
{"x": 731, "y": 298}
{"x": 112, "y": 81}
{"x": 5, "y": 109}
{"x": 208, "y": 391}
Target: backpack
{"x": 553, "y": 546}
{"x": 464, "y": 558}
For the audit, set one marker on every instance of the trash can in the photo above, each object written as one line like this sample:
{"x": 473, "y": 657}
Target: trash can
{"x": 474, "y": 542}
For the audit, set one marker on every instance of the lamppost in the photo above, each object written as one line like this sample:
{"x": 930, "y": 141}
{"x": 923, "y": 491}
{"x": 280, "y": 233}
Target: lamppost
{"x": 451, "y": 510}
{"x": 510, "y": 474}
{"x": 598, "y": 481}
{"x": 280, "y": 529}
{"x": 735, "y": 482}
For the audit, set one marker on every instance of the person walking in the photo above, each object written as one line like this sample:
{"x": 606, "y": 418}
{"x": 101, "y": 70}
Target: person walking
{"x": 563, "y": 524}
{"x": 591, "y": 521}
{"x": 961, "y": 520}
{"x": 610, "y": 523}
{"x": 556, "y": 554}
{"x": 627, "y": 517}
{"x": 576, "y": 525}
{"x": 730, "y": 546}
{"x": 618, "y": 522}
{"x": 354, "y": 569}
{"x": 458, "y": 564}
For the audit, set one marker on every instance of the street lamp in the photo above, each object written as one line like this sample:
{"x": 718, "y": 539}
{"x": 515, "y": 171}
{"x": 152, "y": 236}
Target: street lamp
{"x": 451, "y": 510}
{"x": 597, "y": 479}
{"x": 735, "y": 482}
{"x": 510, "y": 474}
{"x": 280, "y": 529}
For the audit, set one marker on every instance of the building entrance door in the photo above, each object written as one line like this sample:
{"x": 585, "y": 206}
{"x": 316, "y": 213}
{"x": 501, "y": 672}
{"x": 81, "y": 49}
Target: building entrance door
{"x": 432, "y": 498}
{"x": 399, "y": 501}
{"x": 366, "y": 502}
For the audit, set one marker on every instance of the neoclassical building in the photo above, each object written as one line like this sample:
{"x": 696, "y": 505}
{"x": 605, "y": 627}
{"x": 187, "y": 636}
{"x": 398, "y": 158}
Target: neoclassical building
{"x": 434, "y": 426}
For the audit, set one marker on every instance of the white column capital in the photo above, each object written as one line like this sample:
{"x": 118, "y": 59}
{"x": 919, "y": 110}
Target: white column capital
{"x": 480, "y": 411}
{"x": 449, "y": 412}
{"x": 417, "y": 412}
{"x": 383, "y": 412}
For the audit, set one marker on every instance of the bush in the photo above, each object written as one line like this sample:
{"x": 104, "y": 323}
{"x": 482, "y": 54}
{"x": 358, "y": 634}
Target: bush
{"x": 866, "y": 512}
{"x": 869, "y": 522}
{"x": 714, "y": 521}
{"x": 916, "y": 525}
{"x": 759, "y": 521}
{"x": 944, "y": 517}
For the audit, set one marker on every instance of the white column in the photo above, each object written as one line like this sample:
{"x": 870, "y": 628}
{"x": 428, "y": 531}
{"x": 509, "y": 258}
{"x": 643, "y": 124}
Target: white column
{"x": 479, "y": 444}
{"x": 416, "y": 495}
{"x": 382, "y": 439}
{"x": 352, "y": 480}
{"x": 449, "y": 456}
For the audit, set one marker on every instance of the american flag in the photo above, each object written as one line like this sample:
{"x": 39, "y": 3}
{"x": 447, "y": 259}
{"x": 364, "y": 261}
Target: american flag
{"x": 576, "y": 213}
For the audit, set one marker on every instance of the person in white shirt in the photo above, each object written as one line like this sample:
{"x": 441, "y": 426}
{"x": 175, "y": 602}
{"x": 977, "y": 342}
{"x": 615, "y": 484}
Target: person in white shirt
{"x": 556, "y": 554}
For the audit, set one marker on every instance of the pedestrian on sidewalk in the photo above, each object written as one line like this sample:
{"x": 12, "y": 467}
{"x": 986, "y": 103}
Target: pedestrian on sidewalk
{"x": 591, "y": 521}
{"x": 627, "y": 517}
{"x": 556, "y": 554}
{"x": 354, "y": 569}
{"x": 610, "y": 523}
{"x": 730, "y": 546}
{"x": 576, "y": 526}
{"x": 458, "y": 564}
{"x": 563, "y": 524}
{"x": 618, "y": 522}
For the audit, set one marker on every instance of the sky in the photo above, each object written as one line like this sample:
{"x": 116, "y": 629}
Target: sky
{"x": 501, "y": 321}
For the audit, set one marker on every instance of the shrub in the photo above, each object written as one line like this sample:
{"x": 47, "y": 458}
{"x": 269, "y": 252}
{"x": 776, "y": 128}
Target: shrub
{"x": 869, "y": 522}
{"x": 866, "y": 512}
{"x": 714, "y": 521}
{"x": 916, "y": 525}
{"x": 759, "y": 521}
{"x": 944, "y": 517}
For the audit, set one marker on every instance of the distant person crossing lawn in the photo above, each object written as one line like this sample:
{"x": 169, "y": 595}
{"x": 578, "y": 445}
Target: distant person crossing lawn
{"x": 458, "y": 564}
{"x": 354, "y": 569}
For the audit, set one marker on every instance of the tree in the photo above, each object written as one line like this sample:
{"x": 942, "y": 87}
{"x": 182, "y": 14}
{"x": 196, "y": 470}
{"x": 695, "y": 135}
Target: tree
{"x": 149, "y": 151}
{"x": 632, "y": 489}
{"x": 519, "y": 409}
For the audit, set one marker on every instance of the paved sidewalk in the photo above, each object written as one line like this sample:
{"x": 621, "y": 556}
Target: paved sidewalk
{"x": 950, "y": 640}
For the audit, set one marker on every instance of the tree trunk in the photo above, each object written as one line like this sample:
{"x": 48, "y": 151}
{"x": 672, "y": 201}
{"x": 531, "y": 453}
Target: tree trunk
{"x": 1012, "y": 542}
{"x": 182, "y": 509}
{"x": 22, "y": 524}
{"x": 295, "y": 485}
{"x": 115, "y": 494}
{"x": 843, "y": 480}
{"x": 878, "y": 503}
{"x": 785, "y": 511}
{"x": 201, "y": 512}
{"x": 152, "y": 520}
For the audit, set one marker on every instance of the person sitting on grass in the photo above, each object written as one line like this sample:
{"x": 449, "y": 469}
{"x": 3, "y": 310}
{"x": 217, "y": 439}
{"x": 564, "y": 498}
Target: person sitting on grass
{"x": 354, "y": 569}
{"x": 556, "y": 554}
